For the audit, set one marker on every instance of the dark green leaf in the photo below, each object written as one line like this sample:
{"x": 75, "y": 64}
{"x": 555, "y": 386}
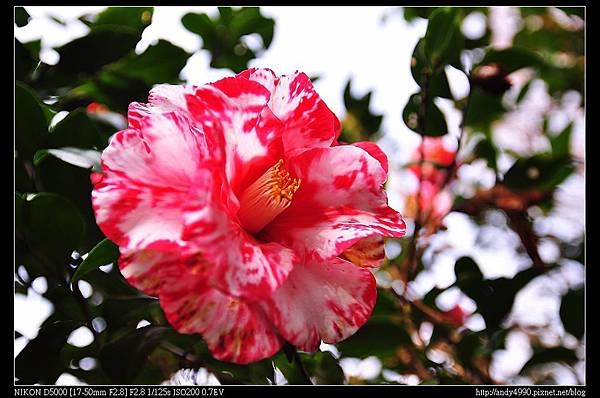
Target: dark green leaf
{"x": 100, "y": 47}
{"x": 122, "y": 359}
{"x": 31, "y": 126}
{"x": 136, "y": 18}
{"x": 25, "y": 61}
{"x": 103, "y": 253}
{"x": 21, "y": 17}
{"x": 467, "y": 272}
{"x": 512, "y": 59}
{"x": 484, "y": 108}
{"x": 426, "y": 120}
{"x": 572, "y": 312}
{"x": 75, "y": 130}
{"x": 561, "y": 143}
{"x": 443, "y": 39}
{"x": 54, "y": 226}
{"x": 548, "y": 355}
{"x": 537, "y": 172}
{"x": 437, "y": 81}
{"x": 160, "y": 63}
{"x": 46, "y": 347}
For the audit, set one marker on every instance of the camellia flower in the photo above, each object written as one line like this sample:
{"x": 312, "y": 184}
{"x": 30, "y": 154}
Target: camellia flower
{"x": 432, "y": 201}
{"x": 234, "y": 203}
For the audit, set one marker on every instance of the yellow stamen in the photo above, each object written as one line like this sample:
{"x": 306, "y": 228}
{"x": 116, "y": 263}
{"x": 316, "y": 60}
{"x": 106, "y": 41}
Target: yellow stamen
{"x": 267, "y": 197}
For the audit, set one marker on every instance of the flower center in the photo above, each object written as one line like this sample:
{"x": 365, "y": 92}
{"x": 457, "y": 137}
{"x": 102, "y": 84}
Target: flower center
{"x": 267, "y": 197}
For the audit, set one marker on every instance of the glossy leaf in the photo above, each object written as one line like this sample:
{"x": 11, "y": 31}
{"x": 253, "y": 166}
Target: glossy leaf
{"x": 103, "y": 253}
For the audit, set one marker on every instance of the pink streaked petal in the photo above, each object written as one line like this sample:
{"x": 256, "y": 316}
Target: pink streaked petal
{"x": 373, "y": 149}
{"x": 368, "y": 252}
{"x": 143, "y": 268}
{"x": 234, "y": 330}
{"x": 243, "y": 266}
{"x": 165, "y": 151}
{"x": 326, "y": 301}
{"x": 163, "y": 98}
{"x": 137, "y": 216}
{"x": 340, "y": 202}
{"x": 307, "y": 119}
{"x": 242, "y": 129}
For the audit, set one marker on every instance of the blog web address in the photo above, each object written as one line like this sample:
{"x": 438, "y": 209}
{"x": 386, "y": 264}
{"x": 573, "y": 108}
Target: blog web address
{"x": 529, "y": 392}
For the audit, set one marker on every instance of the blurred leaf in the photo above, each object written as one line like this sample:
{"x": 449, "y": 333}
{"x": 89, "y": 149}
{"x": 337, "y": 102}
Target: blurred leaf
{"x": 547, "y": 355}
{"x": 359, "y": 124}
{"x": 561, "y": 143}
{"x": 160, "y": 63}
{"x": 433, "y": 125}
{"x": 484, "y": 108}
{"x": 75, "y": 130}
{"x": 103, "y": 253}
{"x": 123, "y": 359}
{"x": 512, "y": 59}
{"x": 572, "y": 312}
{"x": 25, "y": 61}
{"x": 31, "y": 126}
{"x": 136, "y": 18}
{"x": 100, "y": 47}
{"x": 54, "y": 226}
{"x": 21, "y": 17}
{"x": 411, "y": 13}
{"x": 485, "y": 149}
{"x": 77, "y": 157}
{"x": 46, "y": 347}
{"x": 539, "y": 171}
{"x": 437, "y": 80}
{"x": 443, "y": 39}
{"x": 222, "y": 35}
{"x": 467, "y": 273}
{"x": 579, "y": 11}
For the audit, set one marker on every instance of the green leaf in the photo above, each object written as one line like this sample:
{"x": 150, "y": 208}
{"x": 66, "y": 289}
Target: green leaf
{"x": 103, "y": 253}
{"x": 54, "y": 226}
{"x": 160, "y": 63}
{"x": 25, "y": 61}
{"x": 123, "y": 358}
{"x": 222, "y": 36}
{"x": 136, "y": 18}
{"x": 31, "y": 126}
{"x": 537, "y": 172}
{"x": 548, "y": 355}
{"x": 484, "y": 108}
{"x": 572, "y": 312}
{"x": 46, "y": 347}
{"x": 75, "y": 130}
{"x": 77, "y": 157}
{"x": 100, "y": 47}
{"x": 21, "y": 17}
{"x": 360, "y": 123}
{"x": 434, "y": 122}
{"x": 467, "y": 272}
{"x": 561, "y": 143}
{"x": 437, "y": 80}
{"x": 512, "y": 59}
{"x": 443, "y": 39}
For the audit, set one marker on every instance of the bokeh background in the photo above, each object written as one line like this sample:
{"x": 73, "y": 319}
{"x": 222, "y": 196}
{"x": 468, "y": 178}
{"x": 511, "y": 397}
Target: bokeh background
{"x": 488, "y": 290}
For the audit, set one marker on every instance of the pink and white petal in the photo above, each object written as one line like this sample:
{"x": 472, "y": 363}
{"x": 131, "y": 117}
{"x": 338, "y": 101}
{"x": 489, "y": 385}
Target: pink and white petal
{"x": 137, "y": 216}
{"x": 165, "y": 151}
{"x": 373, "y": 149}
{"x": 246, "y": 133}
{"x": 243, "y": 266}
{"x": 368, "y": 252}
{"x": 234, "y": 330}
{"x": 326, "y": 301}
{"x": 143, "y": 269}
{"x": 340, "y": 202}
{"x": 326, "y": 233}
{"x": 307, "y": 119}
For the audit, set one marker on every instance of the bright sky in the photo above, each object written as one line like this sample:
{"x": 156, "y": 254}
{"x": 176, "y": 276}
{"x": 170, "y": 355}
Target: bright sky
{"x": 335, "y": 43}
